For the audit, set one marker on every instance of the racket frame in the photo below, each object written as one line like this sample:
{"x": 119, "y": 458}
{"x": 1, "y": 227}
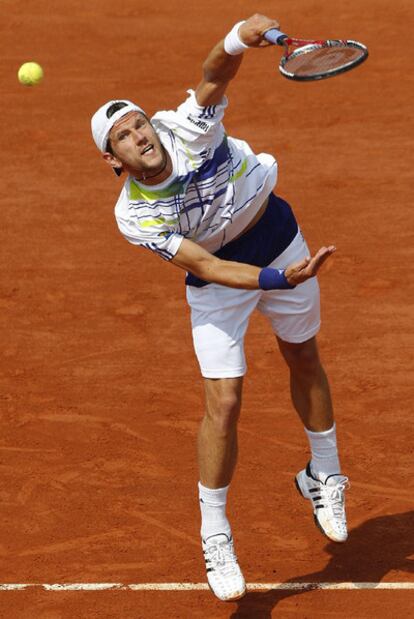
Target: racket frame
{"x": 304, "y": 46}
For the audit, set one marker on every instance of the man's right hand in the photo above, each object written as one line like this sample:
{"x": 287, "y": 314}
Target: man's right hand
{"x": 253, "y": 29}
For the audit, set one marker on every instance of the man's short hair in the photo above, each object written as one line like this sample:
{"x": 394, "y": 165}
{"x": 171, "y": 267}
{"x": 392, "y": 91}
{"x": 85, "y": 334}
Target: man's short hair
{"x": 115, "y": 107}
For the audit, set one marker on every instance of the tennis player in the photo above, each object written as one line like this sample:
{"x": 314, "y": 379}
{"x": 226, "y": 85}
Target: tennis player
{"x": 205, "y": 202}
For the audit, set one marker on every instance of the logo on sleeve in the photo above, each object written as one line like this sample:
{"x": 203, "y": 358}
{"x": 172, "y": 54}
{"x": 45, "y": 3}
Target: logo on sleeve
{"x": 199, "y": 123}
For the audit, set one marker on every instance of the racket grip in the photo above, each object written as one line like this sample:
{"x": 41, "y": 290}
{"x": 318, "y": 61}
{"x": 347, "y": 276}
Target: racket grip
{"x": 275, "y": 36}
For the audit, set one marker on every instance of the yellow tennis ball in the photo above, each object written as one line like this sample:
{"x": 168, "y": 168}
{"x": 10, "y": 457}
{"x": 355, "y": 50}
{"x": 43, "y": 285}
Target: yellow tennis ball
{"x": 30, "y": 74}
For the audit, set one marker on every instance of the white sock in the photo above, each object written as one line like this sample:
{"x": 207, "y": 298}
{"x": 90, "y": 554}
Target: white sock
{"x": 325, "y": 460}
{"x": 213, "y": 511}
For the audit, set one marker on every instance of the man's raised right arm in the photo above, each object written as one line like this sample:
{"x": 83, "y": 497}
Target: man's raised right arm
{"x": 220, "y": 67}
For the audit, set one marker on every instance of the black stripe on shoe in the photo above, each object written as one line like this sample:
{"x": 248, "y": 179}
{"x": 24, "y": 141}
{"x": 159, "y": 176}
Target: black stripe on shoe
{"x": 309, "y": 473}
{"x": 229, "y": 539}
{"x": 334, "y": 475}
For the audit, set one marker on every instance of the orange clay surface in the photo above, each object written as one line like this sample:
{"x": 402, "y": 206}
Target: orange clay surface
{"x": 100, "y": 390}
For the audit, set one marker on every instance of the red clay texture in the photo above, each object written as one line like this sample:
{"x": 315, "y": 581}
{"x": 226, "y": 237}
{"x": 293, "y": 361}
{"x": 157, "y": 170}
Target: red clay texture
{"x": 100, "y": 389}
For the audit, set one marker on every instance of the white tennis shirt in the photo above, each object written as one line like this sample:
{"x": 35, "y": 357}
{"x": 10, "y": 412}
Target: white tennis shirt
{"x": 216, "y": 187}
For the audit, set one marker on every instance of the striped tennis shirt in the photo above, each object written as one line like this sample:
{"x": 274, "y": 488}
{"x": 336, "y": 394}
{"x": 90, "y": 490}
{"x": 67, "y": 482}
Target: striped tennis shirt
{"x": 216, "y": 187}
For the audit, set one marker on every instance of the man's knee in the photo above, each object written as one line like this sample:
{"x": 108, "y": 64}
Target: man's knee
{"x": 302, "y": 358}
{"x": 223, "y": 403}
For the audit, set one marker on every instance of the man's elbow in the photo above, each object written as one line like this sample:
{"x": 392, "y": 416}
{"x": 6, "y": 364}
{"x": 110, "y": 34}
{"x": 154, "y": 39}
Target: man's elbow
{"x": 206, "y": 269}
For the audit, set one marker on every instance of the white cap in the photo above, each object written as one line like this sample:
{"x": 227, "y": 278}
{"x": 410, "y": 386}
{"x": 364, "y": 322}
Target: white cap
{"x": 101, "y": 124}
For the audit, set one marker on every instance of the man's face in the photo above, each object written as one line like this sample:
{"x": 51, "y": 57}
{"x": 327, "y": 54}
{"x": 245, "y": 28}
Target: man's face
{"x": 135, "y": 145}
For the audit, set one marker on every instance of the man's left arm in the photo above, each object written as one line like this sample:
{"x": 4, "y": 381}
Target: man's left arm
{"x": 220, "y": 67}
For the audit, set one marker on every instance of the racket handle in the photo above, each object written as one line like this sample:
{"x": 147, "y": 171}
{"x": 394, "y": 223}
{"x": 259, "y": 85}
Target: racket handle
{"x": 275, "y": 36}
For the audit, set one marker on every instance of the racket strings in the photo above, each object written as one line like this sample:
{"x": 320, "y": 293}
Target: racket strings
{"x": 319, "y": 59}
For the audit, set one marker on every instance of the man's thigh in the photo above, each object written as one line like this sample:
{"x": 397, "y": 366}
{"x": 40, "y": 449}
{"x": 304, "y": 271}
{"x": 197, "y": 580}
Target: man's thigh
{"x": 219, "y": 318}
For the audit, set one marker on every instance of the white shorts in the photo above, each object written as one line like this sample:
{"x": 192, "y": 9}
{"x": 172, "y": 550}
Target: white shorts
{"x": 220, "y": 316}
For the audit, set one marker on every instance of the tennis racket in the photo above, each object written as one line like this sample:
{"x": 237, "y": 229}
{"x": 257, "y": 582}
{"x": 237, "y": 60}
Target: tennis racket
{"x": 315, "y": 59}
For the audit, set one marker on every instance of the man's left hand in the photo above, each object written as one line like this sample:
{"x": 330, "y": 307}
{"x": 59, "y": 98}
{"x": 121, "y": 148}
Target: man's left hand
{"x": 308, "y": 267}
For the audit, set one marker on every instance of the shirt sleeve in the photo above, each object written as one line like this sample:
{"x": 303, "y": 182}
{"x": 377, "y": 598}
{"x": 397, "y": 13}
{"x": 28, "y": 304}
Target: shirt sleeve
{"x": 198, "y": 130}
{"x": 155, "y": 235}
{"x": 159, "y": 233}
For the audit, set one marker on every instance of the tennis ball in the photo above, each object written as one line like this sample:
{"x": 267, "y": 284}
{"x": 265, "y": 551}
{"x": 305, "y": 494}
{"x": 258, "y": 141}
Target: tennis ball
{"x": 30, "y": 74}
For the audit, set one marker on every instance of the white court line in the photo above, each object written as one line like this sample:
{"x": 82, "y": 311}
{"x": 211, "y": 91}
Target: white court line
{"x": 200, "y": 586}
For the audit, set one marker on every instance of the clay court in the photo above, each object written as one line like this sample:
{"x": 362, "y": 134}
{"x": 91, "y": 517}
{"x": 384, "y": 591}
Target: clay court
{"x": 100, "y": 390}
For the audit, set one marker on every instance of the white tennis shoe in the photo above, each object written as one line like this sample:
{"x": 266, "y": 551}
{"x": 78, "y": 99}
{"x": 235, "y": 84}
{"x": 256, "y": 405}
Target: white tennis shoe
{"x": 223, "y": 572}
{"x": 328, "y": 502}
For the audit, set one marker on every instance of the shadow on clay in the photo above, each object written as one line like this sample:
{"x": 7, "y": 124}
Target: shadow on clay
{"x": 372, "y": 550}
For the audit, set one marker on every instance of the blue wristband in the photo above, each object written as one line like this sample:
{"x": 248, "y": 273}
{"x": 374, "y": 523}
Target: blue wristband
{"x": 273, "y": 279}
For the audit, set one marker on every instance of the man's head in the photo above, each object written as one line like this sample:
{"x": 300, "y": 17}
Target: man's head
{"x": 124, "y": 134}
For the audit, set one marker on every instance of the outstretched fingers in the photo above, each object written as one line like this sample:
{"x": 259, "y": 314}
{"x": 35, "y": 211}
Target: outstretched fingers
{"x": 309, "y": 266}
{"x": 320, "y": 258}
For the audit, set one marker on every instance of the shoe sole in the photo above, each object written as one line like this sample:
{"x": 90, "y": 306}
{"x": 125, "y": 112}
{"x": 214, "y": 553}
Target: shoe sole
{"x": 298, "y": 488}
{"x": 319, "y": 526}
{"x": 238, "y": 597}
